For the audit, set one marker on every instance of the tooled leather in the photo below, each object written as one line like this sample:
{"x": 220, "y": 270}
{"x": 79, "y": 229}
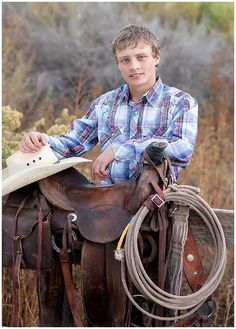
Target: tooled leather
{"x": 193, "y": 269}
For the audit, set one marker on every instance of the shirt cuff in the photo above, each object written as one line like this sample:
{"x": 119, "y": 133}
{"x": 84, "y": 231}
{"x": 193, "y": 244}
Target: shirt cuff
{"x": 50, "y": 141}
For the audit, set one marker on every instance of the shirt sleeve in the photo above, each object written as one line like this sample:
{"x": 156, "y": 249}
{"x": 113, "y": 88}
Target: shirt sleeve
{"x": 80, "y": 138}
{"x": 180, "y": 136}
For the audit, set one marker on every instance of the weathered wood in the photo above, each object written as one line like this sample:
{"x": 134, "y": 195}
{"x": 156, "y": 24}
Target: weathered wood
{"x": 201, "y": 232}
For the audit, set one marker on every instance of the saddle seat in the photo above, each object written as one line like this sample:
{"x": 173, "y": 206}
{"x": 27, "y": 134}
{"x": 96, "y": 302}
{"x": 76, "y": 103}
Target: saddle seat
{"x": 102, "y": 211}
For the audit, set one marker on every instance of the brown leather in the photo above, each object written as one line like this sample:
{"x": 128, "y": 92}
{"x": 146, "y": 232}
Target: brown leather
{"x": 66, "y": 270}
{"x": 143, "y": 187}
{"x": 18, "y": 253}
{"x": 39, "y": 256}
{"x": 193, "y": 269}
{"x": 158, "y": 200}
{"x": 103, "y": 211}
{"x": 195, "y": 275}
{"x": 16, "y": 286}
{"x": 69, "y": 288}
{"x": 163, "y": 225}
{"x": 103, "y": 295}
{"x": 17, "y": 258}
{"x": 165, "y": 174}
{"x": 27, "y": 228}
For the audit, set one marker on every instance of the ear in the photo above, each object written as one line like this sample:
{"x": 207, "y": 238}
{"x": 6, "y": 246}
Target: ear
{"x": 157, "y": 59}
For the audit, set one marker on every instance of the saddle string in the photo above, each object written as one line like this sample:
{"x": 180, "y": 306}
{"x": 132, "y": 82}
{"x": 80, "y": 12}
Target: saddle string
{"x": 17, "y": 258}
{"x": 163, "y": 225}
{"x": 66, "y": 270}
{"x": 191, "y": 303}
{"x": 39, "y": 256}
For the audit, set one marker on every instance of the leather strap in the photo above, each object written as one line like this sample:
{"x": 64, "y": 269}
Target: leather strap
{"x": 192, "y": 264}
{"x": 159, "y": 169}
{"x": 195, "y": 276}
{"x": 39, "y": 256}
{"x": 158, "y": 201}
{"x": 66, "y": 270}
{"x": 17, "y": 258}
{"x": 163, "y": 225}
{"x": 16, "y": 285}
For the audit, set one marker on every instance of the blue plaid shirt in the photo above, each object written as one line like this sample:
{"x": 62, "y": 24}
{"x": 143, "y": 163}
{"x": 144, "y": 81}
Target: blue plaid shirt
{"x": 114, "y": 119}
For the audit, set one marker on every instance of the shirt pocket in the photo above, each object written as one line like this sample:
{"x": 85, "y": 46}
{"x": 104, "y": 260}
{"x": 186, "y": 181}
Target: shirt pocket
{"x": 153, "y": 122}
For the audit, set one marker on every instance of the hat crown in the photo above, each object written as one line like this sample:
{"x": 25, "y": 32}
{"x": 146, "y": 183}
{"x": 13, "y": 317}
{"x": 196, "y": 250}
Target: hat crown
{"x": 20, "y": 160}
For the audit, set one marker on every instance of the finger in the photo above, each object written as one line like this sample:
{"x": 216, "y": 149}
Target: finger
{"x": 102, "y": 170}
{"x": 28, "y": 144}
{"x": 99, "y": 176}
{"x": 36, "y": 139}
{"x": 43, "y": 139}
{"x": 97, "y": 172}
{"x": 25, "y": 145}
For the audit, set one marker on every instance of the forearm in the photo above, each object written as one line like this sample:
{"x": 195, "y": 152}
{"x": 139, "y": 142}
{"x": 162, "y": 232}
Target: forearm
{"x": 180, "y": 137}
{"x": 80, "y": 138}
{"x": 65, "y": 147}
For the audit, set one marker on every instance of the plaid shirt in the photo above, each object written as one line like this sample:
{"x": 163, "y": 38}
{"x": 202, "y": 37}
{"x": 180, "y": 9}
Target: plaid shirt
{"x": 114, "y": 119}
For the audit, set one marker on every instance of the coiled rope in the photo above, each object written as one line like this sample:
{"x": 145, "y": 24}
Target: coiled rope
{"x": 129, "y": 256}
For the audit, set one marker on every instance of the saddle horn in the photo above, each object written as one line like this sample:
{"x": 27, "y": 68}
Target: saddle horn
{"x": 155, "y": 151}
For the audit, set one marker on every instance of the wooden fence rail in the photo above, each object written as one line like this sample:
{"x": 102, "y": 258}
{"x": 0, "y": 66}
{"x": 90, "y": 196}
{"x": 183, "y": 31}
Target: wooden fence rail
{"x": 226, "y": 218}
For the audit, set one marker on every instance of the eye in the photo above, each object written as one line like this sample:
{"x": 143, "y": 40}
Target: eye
{"x": 124, "y": 60}
{"x": 141, "y": 57}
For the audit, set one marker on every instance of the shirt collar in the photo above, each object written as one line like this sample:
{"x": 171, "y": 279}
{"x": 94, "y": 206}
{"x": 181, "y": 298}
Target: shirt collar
{"x": 124, "y": 94}
{"x": 154, "y": 92}
{"x": 151, "y": 95}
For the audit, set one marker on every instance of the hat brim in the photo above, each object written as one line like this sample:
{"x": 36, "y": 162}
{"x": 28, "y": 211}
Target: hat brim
{"x": 22, "y": 178}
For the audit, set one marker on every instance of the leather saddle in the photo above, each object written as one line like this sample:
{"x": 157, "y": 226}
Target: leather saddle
{"x": 102, "y": 214}
{"x": 102, "y": 211}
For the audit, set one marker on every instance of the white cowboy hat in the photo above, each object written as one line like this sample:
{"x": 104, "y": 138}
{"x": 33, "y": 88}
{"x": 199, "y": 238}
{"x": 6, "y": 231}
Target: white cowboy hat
{"x": 26, "y": 168}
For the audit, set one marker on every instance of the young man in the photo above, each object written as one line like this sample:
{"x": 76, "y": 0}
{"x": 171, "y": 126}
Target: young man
{"x": 126, "y": 120}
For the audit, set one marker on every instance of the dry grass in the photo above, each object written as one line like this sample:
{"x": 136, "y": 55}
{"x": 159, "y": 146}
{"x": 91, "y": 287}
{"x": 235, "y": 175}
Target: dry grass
{"x": 223, "y": 296}
{"x": 28, "y": 314}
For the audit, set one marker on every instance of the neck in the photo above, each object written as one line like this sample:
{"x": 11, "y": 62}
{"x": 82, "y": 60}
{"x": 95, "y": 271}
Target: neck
{"x": 137, "y": 92}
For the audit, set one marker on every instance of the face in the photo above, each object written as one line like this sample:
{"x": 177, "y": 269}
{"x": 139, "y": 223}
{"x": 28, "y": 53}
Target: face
{"x": 137, "y": 66}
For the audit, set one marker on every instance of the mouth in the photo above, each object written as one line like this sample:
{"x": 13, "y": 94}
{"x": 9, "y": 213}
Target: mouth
{"x": 136, "y": 75}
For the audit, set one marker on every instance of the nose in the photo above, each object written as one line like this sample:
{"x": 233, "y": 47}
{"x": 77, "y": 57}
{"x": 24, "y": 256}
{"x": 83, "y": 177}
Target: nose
{"x": 134, "y": 64}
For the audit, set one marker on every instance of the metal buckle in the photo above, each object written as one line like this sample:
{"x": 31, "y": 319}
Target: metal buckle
{"x": 159, "y": 198}
{"x": 54, "y": 245}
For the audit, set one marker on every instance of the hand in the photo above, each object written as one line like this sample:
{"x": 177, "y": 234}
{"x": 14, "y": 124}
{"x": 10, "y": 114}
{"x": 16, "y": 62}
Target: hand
{"x": 102, "y": 162}
{"x": 32, "y": 141}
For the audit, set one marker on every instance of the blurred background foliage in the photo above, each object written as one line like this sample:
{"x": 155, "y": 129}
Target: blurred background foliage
{"x": 57, "y": 56}
{"x": 56, "y": 59}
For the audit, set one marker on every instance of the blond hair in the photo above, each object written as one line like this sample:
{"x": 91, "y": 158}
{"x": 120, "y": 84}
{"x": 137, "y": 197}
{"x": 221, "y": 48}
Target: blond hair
{"x": 131, "y": 35}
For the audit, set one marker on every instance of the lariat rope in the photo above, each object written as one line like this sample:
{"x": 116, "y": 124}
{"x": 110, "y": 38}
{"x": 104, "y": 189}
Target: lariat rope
{"x": 129, "y": 256}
